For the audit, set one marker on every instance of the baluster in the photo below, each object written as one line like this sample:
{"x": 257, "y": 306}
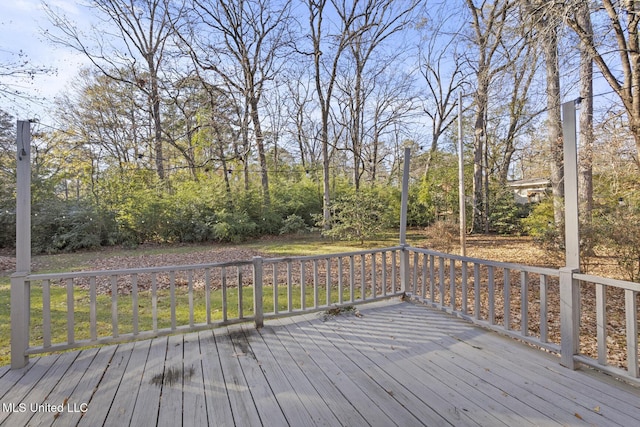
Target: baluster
{"x": 46, "y": 314}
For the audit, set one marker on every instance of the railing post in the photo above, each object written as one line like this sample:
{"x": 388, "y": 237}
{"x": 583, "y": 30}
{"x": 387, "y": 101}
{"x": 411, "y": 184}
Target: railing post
{"x": 404, "y": 268}
{"x": 258, "y": 308}
{"x": 20, "y": 312}
{"x": 569, "y": 317}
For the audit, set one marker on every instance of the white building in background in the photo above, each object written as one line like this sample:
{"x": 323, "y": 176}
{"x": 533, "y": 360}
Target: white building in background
{"x": 529, "y": 190}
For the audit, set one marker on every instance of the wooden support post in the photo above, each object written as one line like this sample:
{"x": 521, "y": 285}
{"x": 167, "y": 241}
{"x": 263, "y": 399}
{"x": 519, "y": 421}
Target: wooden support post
{"x": 569, "y": 317}
{"x": 404, "y": 269}
{"x": 20, "y": 287}
{"x": 571, "y": 218}
{"x": 405, "y": 196}
{"x": 461, "y": 195}
{"x": 258, "y": 307}
{"x": 20, "y": 307}
{"x": 570, "y": 287}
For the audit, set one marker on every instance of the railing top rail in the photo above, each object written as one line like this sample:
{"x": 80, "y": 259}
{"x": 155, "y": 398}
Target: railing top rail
{"x": 162, "y": 269}
{"x": 531, "y": 269}
{"x": 632, "y": 286}
{"x": 332, "y": 255}
{"x": 130, "y": 271}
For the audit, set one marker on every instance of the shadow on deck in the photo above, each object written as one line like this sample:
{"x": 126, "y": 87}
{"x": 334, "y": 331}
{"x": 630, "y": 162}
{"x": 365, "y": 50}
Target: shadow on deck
{"x": 391, "y": 363}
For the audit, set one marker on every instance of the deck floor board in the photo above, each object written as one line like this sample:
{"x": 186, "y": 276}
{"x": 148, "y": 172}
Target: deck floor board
{"x": 397, "y": 363}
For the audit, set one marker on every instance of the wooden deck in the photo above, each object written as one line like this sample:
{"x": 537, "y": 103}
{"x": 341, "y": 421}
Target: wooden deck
{"x": 399, "y": 363}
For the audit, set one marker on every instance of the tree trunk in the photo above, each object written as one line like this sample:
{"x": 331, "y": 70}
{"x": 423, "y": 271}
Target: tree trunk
{"x": 586, "y": 120}
{"x": 554, "y": 122}
{"x": 157, "y": 120}
{"x": 257, "y": 129}
{"x": 478, "y": 161}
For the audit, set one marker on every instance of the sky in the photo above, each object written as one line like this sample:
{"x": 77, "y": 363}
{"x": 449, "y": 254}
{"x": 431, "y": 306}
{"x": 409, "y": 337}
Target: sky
{"x": 22, "y": 23}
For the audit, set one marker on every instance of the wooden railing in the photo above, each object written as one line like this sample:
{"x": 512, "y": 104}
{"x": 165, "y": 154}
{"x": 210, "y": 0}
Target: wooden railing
{"x": 611, "y": 330}
{"x": 104, "y": 307}
{"x": 538, "y": 305}
{"x": 512, "y": 299}
{"x": 542, "y": 306}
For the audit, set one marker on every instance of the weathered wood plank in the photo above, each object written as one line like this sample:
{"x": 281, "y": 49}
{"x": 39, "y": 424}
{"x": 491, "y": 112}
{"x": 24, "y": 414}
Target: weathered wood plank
{"x": 148, "y": 401}
{"x": 372, "y": 388}
{"x": 413, "y": 389}
{"x": 194, "y": 406}
{"x": 539, "y": 373}
{"x": 107, "y": 387}
{"x": 263, "y": 398}
{"x": 38, "y": 395}
{"x": 60, "y": 395}
{"x": 17, "y": 381}
{"x": 243, "y": 407}
{"x": 292, "y": 406}
{"x": 125, "y": 398}
{"x": 170, "y": 412}
{"x": 215, "y": 390}
{"x": 432, "y": 358}
{"x": 293, "y": 390}
{"x": 84, "y": 391}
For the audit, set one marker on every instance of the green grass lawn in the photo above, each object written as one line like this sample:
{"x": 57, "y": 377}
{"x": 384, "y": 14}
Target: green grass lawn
{"x": 293, "y": 246}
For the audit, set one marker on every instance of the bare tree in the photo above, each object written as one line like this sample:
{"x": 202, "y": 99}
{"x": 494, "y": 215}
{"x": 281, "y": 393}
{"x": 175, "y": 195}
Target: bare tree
{"x": 15, "y": 69}
{"x": 619, "y": 34}
{"x": 243, "y": 43}
{"x": 583, "y": 17}
{"x": 375, "y": 22}
{"x": 442, "y": 67}
{"x": 522, "y": 65}
{"x": 142, "y": 30}
{"x": 303, "y": 127}
{"x": 544, "y": 21}
{"x": 488, "y": 23}
{"x": 325, "y": 70}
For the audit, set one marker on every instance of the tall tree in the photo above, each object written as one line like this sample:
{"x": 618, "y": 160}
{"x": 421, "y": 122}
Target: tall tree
{"x": 244, "y": 44}
{"x": 442, "y": 67}
{"x": 325, "y": 71}
{"x": 618, "y": 34}
{"x": 544, "y": 20}
{"x": 374, "y": 22}
{"x": 488, "y": 21}
{"x": 143, "y": 29}
{"x": 586, "y": 137}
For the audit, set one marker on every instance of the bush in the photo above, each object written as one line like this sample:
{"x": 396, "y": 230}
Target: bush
{"x": 7, "y": 228}
{"x": 506, "y": 215}
{"x": 540, "y": 224}
{"x": 359, "y": 216}
{"x": 621, "y": 228}
{"x": 294, "y": 224}
{"x": 62, "y": 226}
{"x": 443, "y": 236}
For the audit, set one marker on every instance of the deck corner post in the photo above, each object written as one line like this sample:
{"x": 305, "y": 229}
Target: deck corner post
{"x": 258, "y": 308}
{"x": 20, "y": 312}
{"x": 569, "y": 317}
{"x": 404, "y": 268}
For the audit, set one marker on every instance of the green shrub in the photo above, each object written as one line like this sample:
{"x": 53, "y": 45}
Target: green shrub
{"x": 61, "y": 226}
{"x": 540, "y": 224}
{"x": 359, "y": 216}
{"x": 294, "y": 224}
{"x": 505, "y": 216}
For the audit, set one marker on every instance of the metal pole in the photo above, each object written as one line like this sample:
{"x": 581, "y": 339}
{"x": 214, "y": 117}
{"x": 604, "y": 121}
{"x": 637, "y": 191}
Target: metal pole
{"x": 405, "y": 196}
{"x": 463, "y": 213}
